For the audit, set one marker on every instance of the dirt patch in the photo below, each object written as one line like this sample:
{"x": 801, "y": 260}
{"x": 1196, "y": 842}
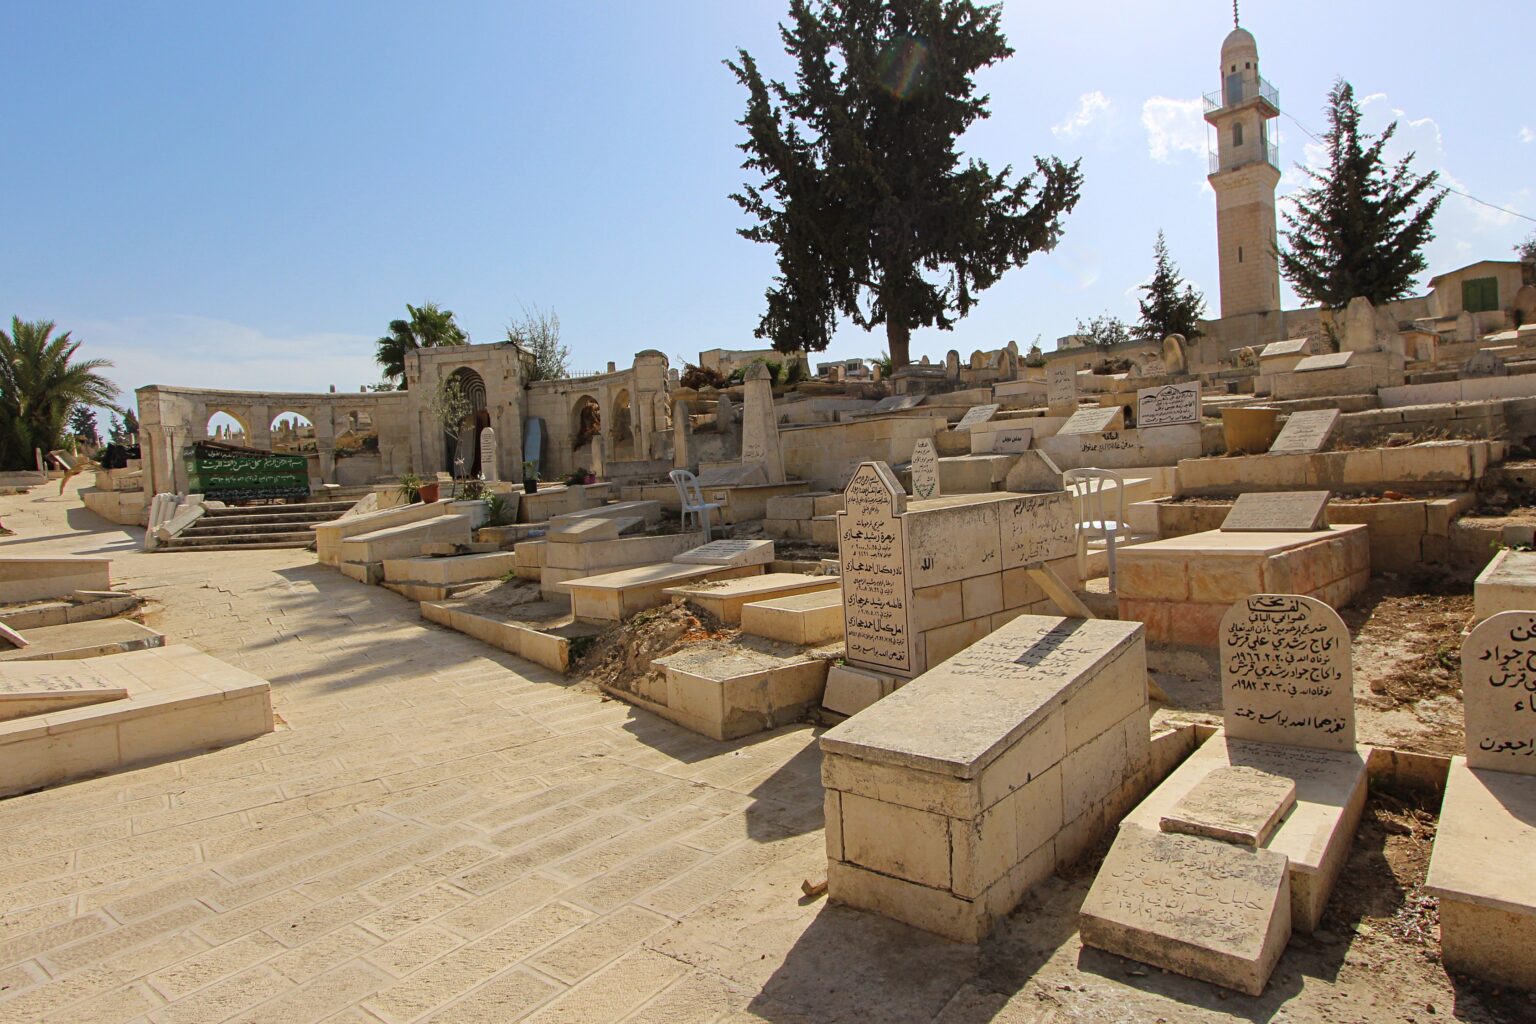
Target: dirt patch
{"x": 621, "y": 657}
{"x": 1407, "y": 657}
{"x": 495, "y": 600}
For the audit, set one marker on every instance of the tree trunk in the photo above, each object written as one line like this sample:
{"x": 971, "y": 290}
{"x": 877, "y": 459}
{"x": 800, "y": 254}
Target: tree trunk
{"x": 898, "y": 337}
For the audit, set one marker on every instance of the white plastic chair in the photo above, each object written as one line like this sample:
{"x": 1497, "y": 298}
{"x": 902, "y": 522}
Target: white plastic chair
{"x": 692, "y": 499}
{"x": 1094, "y": 524}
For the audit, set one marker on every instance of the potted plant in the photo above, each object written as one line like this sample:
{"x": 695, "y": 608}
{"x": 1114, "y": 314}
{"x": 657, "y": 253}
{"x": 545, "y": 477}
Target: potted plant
{"x": 530, "y": 477}
{"x": 471, "y": 502}
{"x": 428, "y": 491}
{"x": 410, "y": 488}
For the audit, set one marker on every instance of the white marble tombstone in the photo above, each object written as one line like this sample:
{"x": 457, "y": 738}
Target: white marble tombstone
{"x": 488, "y": 453}
{"x": 1285, "y": 673}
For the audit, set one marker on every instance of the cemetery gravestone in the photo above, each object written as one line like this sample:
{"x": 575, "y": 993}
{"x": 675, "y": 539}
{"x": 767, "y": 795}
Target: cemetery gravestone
{"x": 1203, "y": 908}
{"x": 977, "y": 414}
{"x": 1466, "y": 327}
{"x": 1359, "y": 326}
{"x": 488, "y": 470}
{"x": 760, "y": 429}
{"x": 1033, "y": 472}
{"x": 1327, "y": 361}
{"x": 1285, "y": 673}
{"x": 871, "y": 547}
{"x": 1484, "y": 364}
{"x": 1060, "y": 384}
{"x": 1093, "y": 420}
{"x": 1281, "y": 512}
{"x": 1038, "y": 528}
{"x": 1498, "y": 683}
{"x": 729, "y": 553}
{"x": 1236, "y": 804}
{"x": 1013, "y": 440}
{"x": 1173, "y": 354}
{"x": 1306, "y": 432}
{"x": 925, "y": 470}
{"x": 1289, "y": 347}
{"x": 1168, "y": 405}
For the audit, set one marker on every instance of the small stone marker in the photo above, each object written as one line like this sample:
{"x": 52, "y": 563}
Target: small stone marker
{"x": 1195, "y": 906}
{"x": 871, "y": 547}
{"x": 1280, "y": 512}
{"x": 1236, "y": 804}
{"x": 488, "y": 455}
{"x": 729, "y": 553}
{"x": 1498, "y": 686}
{"x": 925, "y": 470}
{"x": 1168, "y": 405}
{"x": 1033, "y": 472}
{"x": 1174, "y": 358}
{"x": 1093, "y": 420}
{"x": 1306, "y": 432}
{"x": 1060, "y": 383}
{"x": 1484, "y": 364}
{"x": 1327, "y": 361}
{"x": 1285, "y": 673}
{"x": 1013, "y": 440}
{"x": 977, "y": 414}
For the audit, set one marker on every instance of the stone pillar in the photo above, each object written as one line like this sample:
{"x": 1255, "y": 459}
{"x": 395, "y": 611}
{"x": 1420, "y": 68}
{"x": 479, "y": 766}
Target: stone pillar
{"x": 759, "y": 425}
{"x": 682, "y": 427}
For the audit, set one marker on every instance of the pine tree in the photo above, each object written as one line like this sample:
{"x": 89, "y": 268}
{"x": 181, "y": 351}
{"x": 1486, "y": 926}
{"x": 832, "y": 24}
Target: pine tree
{"x": 1167, "y": 309}
{"x": 1360, "y": 228}
{"x": 82, "y": 424}
{"x": 874, "y": 213}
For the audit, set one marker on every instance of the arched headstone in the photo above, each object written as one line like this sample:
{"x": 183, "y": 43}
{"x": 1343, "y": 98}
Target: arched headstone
{"x": 1285, "y": 673}
{"x": 1174, "y": 361}
{"x": 488, "y": 454}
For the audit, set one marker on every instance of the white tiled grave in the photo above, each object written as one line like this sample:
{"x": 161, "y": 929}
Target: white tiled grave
{"x": 81, "y": 718}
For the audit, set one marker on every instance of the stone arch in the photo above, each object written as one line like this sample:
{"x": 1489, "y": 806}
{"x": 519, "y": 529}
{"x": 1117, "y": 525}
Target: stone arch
{"x": 294, "y": 432}
{"x": 467, "y": 447}
{"x": 621, "y": 429}
{"x": 586, "y": 421}
{"x": 241, "y": 419}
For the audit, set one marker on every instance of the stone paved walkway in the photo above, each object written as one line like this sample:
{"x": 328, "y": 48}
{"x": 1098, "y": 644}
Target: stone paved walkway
{"x": 438, "y": 831}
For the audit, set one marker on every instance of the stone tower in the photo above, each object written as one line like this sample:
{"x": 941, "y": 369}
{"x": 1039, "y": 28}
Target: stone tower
{"x": 1245, "y": 168}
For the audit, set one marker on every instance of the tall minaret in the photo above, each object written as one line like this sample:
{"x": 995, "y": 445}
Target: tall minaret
{"x": 1245, "y": 168}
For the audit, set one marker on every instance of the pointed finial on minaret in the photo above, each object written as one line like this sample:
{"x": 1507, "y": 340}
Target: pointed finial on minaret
{"x": 1234, "y": 14}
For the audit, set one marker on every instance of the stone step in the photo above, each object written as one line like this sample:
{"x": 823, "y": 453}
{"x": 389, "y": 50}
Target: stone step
{"x": 725, "y": 692}
{"x": 308, "y": 508}
{"x": 725, "y": 599}
{"x": 245, "y": 529}
{"x": 804, "y": 619}
{"x": 288, "y": 539}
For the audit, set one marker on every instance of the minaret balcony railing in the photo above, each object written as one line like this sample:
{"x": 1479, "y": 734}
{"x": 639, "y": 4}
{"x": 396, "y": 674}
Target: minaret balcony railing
{"x": 1241, "y": 91}
{"x": 1271, "y": 156}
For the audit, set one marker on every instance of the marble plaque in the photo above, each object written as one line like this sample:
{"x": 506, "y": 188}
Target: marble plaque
{"x": 1194, "y": 906}
{"x": 1093, "y": 420}
{"x": 1498, "y": 686}
{"x": 488, "y": 455}
{"x": 1060, "y": 383}
{"x": 1278, "y": 512}
{"x": 1168, "y": 405}
{"x": 1038, "y": 528}
{"x": 1306, "y": 432}
{"x": 1289, "y": 347}
{"x": 871, "y": 548}
{"x": 977, "y": 414}
{"x": 1013, "y": 440}
{"x": 729, "y": 553}
{"x": 925, "y": 470}
{"x": 1285, "y": 673}
{"x": 1236, "y": 804}
{"x": 1326, "y": 361}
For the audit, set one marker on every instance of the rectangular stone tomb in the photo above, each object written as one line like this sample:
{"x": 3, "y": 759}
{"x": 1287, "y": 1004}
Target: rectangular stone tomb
{"x": 728, "y": 692}
{"x": 615, "y": 596}
{"x": 1306, "y": 432}
{"x": 1181, "y": 587}
{"x": 1239, "y": 805}
{"x": 806, "y": 620}
{"x": 724, "y": 598}
{"x": 949, "y": 798}
{"x": 160, "y": 702}
{"x": 729, "y": 552}
{"x": 1167, "y": 405}
{"x": 1092, "y": 420}
{"x": 1508, "y": 583}
{"x": 77, "y": 640}
{"x": 1480, "y": 870}
{"x": 920, "y": 584}
{"x": 1192, "y": 905}
{"x": 1314, "y": 837}
{"x": 585, "y": 531}
{"x": 1278, "y": 512}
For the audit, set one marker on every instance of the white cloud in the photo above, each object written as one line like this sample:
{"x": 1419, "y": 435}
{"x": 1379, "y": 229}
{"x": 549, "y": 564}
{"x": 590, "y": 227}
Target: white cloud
{"x": 1173, "y": 126}
{"x": 198, "y": 351}
{"x": 1091, "y": 107}
{"x": 1526, "y": 135}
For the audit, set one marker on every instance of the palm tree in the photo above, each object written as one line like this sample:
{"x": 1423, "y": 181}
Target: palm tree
{"x": 40, "y": 385}
{"x": 428, "y": 326}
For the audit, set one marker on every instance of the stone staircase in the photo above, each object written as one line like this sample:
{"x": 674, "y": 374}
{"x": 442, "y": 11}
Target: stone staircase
{"x": 257, "y": 527}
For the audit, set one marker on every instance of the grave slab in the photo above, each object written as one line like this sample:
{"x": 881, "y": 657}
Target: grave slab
{"x": 1508, "y": 583}
{"x": 1306, "y": 432}
{"x": 585, "y": 531}
{"x": 977, "y": 414}
{"x": 1480, "y": 871}
{"x": 91, "y": 639}
{"x": 27, "y": 689}
{"x": 724, "y": 599}
{"x": 728, "y": 552}
{"x": 1168, "y": 405}
{"x": 925, "y": 470}
{"x": 1327, "y": 361}
{"x": 615, "y": 596}
{"x": 1241, "y": 805}
{"x": 1286, "y": 675}
{"x": 1195, "y": 906}
{"x": 729, "y": 692}
{"x": 1061, "y": 384}
{"x": 1278, "y": 512}
{"x": 804, "y": 619}
{"x": 1314, "y": 837}
{"x": 1093, "y": 420}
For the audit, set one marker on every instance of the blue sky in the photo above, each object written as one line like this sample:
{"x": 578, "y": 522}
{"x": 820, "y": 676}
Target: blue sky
{"x": 243, "y": 195}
